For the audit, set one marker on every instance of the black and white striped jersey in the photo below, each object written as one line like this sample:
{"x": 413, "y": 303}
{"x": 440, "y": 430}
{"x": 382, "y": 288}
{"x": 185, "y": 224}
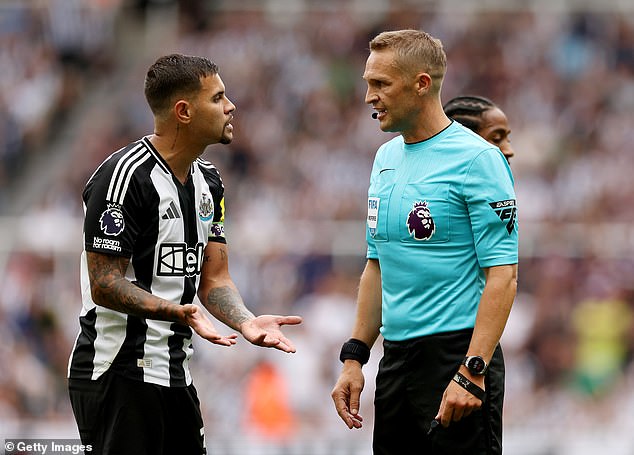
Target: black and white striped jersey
{"x": 135, "y": 207}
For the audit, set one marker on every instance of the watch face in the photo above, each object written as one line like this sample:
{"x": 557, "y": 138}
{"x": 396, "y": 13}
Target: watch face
{"x": 476, "y": 364}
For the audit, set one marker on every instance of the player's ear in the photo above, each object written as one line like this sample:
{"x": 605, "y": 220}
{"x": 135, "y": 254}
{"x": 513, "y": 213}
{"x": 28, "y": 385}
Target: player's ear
{"x": 182, "y": 111}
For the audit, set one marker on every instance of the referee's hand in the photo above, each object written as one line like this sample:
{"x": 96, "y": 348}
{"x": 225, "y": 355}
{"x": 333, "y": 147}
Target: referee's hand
{"x": 457, "y": 403}
{"x": 347, "y": 394}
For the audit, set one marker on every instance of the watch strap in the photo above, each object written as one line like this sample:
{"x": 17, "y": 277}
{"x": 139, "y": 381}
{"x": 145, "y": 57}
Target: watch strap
{"x": 469, "y": 386}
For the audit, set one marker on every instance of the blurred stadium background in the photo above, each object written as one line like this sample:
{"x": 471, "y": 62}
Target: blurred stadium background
{"x": 296, "y": 177}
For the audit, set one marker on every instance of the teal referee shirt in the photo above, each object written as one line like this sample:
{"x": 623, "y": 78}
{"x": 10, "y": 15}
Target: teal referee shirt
{"x": 439, "y": 211}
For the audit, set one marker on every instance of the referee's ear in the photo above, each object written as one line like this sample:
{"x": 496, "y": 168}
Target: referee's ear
{"x": 423, "y": 83}
{"x": 182, "y": 111}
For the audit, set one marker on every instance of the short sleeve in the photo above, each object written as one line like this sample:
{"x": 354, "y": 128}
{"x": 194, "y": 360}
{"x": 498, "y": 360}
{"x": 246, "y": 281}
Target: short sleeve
{"x": 217, "y": 227}
{"x": 111, "y": 224}
{"x": 373, "y": 205}
{"x": 492, "y": 206}
{"x": 216, "y": 187}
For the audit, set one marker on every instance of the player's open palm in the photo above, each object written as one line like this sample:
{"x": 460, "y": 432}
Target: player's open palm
{"x": 202, "y": 325}
{"x": 266, "y": 331}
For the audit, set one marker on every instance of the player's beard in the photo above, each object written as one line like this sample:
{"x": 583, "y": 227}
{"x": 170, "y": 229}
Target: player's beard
{"x": 227, "y": 136}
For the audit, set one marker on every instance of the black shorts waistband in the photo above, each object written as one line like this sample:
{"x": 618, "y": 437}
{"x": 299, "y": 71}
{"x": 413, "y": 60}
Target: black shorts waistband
{"x": 408, "y": 344}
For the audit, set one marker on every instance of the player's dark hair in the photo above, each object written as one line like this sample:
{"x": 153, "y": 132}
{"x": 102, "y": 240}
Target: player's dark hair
{"x": 175, "y": 75}
{"x": 468, "y": 110}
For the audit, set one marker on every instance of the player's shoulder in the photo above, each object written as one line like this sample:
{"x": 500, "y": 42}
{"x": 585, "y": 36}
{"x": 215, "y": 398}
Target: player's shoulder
{"x": 207, "y": 168}
{"x": 205, "y": 165}
{"x": 209, "y": 171}
{"x": 119, "y": 168}
{"x": 124, "y": 158}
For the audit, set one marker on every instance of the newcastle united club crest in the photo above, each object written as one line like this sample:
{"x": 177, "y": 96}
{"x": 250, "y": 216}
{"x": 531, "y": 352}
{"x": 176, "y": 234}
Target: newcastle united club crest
{"x": 206, "y": 207}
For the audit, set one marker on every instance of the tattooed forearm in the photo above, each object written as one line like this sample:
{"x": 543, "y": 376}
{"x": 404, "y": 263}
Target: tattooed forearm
{"x": 226, "y": 305}
{"x": 111, "y": 289}
{"x": 221, "y": 252}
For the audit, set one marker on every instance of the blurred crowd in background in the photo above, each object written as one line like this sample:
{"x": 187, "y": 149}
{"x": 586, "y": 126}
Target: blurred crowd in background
{"x": 296, "y": 176}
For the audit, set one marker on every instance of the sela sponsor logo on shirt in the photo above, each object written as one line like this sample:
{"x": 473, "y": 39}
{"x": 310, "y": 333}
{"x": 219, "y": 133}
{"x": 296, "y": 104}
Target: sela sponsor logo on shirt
{"x": 206, "y": 207}
{"x": 420, "y": 223}
{"x": 506, "y": 211}
{"x": 111, "y": 221}
{"x": 176, "y": 259}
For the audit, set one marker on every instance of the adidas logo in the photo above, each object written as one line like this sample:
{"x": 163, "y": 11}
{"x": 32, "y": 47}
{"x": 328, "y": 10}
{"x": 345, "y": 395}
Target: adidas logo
{"x": 507, "y": 211}
{"x": 172, "y": 212}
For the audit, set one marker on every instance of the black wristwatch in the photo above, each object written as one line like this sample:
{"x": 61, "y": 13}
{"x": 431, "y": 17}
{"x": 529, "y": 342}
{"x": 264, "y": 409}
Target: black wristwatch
{"x": 475, "y": 364}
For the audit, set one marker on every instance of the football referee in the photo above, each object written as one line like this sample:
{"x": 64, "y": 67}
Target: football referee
{"x": 153, "y": 240}
{"x": 441, "y": 270}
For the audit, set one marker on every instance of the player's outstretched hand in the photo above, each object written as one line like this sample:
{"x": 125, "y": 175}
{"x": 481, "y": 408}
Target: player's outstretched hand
{"x": 202, "y": 325}
{"x": 266, "y": 331}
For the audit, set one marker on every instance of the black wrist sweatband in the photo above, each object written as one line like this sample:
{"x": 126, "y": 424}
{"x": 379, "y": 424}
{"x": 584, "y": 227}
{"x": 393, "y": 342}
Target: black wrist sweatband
{"x": 354, "y": 349}
{"x": 470, "y": 387}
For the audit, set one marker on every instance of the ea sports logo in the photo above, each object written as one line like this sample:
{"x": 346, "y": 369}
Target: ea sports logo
{"x": 175, "y": 259}
{"x": 507, "y": 212}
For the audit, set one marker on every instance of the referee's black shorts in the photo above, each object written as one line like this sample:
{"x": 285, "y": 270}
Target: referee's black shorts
{"x": 118, "y": 415}
{"x": 412, "y": 378}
